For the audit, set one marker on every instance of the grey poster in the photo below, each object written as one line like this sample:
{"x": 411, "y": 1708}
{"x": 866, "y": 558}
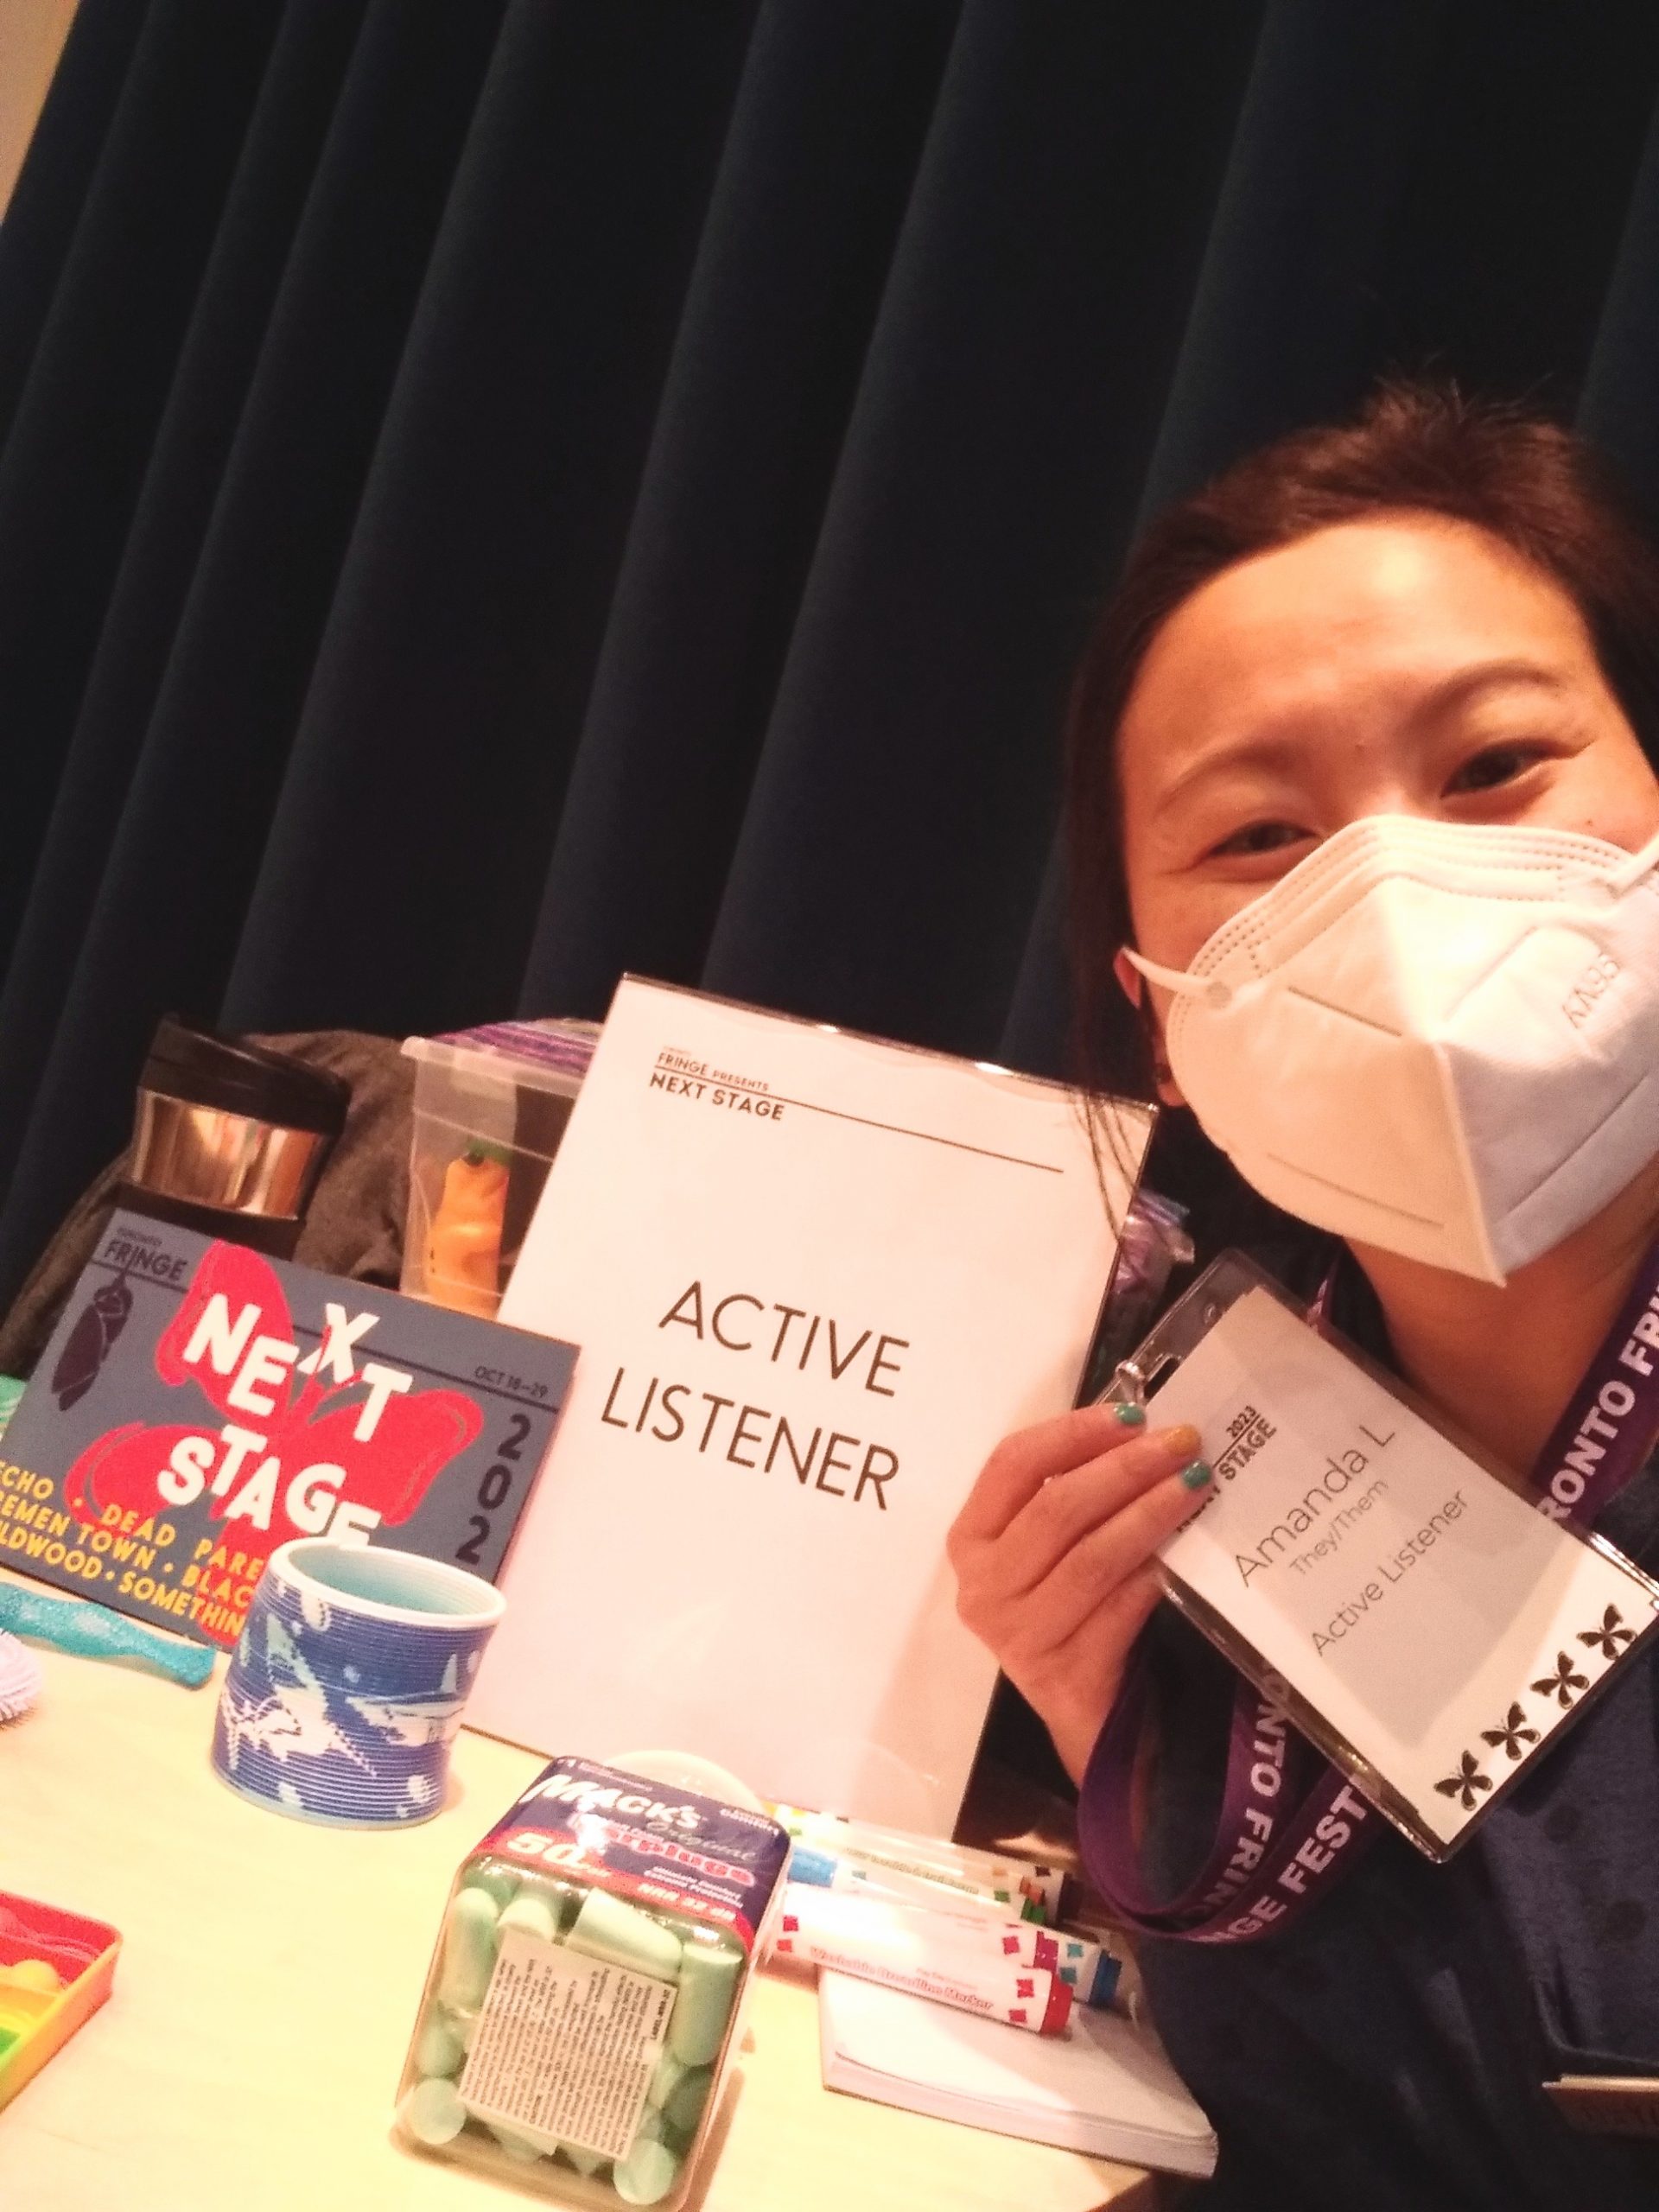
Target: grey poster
{"x": 199, "y": 1404}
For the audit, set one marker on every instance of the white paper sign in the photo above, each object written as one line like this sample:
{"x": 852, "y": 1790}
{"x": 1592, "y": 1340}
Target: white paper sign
{"x": 815, "y": 1279}
{"x": 1440, "y": 1624}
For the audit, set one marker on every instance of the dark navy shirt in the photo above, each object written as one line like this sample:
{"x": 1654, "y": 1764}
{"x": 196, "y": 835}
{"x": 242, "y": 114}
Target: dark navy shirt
{"x": 1385, "y": 2053}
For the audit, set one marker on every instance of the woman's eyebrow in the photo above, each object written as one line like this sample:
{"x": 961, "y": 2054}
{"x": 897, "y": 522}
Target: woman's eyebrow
{"x": 1275, "y": 752}
{"x": 1469, "y": 684}
{"x": 1266, "y": 751}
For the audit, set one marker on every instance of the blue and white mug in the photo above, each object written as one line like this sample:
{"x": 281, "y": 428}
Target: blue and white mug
{"x": 347, "y": 1683}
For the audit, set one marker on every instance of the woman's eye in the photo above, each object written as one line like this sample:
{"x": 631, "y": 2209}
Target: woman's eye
{"x": 1258, "y": 837}
{"x": 1497, "y": 765}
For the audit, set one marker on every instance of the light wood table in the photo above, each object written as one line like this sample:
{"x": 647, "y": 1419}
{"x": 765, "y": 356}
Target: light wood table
{"x": 269, "y": 1976}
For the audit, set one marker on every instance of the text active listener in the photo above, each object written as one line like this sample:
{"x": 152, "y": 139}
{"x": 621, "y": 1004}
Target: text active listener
{"x": 1437, "y": 615}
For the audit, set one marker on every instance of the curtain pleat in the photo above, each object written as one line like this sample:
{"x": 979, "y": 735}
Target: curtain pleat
{"x": 766, "y": 364}
{"x": 894, "y": 841}
{"x": 426, "y": 777}
{"x": 493, "y": 495}
{"x": 1286, "y": 318}
{"x": 98, "y": 378}
{"x": 48, "y": 197}
{"x": 172, "y": 891}
{"x": 147, "y": 601}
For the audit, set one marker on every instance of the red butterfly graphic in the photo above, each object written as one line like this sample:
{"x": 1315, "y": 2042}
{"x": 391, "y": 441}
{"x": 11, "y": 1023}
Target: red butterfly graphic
{"x": 311, "y": 1424}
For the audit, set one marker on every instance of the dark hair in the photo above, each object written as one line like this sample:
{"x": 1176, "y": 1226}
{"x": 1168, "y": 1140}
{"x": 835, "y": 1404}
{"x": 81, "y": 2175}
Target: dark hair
{"x": 1415, "y": 448}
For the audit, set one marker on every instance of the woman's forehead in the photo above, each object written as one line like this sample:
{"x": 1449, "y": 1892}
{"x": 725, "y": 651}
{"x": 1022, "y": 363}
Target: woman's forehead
{"x": 1378, "y": 620}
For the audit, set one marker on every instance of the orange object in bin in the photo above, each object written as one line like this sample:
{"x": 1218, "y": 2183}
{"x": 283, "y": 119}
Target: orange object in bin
{"x": 40, "y": 1945}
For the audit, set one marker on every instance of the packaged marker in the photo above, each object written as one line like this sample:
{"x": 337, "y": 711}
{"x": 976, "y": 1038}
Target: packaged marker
{"x": 1022, "y": 1887}
{"x": 825, "y": 1869}
{"x": 860, "y": 1936}
{"x": 1128, "y": 1991}
{"x": 1088, "y": 1970}
{"x": 587, "y": 1991}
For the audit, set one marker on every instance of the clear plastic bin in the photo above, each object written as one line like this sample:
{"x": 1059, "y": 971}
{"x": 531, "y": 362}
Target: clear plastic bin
{"x": 490, "y": 1107}
{"x": 587, "y": 1994}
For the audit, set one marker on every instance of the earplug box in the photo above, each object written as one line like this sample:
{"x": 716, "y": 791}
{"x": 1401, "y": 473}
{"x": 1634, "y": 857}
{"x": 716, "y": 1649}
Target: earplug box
{"x": 587, "y": 1991}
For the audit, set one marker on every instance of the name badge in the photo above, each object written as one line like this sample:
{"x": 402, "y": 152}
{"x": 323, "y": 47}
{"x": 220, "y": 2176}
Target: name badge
{"x": 1430, "y": 1629}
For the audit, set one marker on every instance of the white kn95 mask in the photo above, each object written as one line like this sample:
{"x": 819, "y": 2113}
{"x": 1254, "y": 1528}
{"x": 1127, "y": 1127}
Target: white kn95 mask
{"x": 1436, "y": 1037}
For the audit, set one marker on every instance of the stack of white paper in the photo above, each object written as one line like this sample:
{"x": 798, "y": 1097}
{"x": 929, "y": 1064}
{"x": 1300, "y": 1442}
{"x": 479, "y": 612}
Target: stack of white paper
{"x": 1106, "y": 2089}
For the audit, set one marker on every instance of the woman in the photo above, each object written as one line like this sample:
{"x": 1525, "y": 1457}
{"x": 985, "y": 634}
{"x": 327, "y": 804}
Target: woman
{"x": 1434, "y": 615}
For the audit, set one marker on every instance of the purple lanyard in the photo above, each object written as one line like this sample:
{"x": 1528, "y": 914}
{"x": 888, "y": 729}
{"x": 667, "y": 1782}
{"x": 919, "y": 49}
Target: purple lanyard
{"x": 1290, "y": 1823}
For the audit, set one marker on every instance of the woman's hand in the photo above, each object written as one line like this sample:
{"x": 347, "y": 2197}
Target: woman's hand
{"x": 1052, "y": 1553}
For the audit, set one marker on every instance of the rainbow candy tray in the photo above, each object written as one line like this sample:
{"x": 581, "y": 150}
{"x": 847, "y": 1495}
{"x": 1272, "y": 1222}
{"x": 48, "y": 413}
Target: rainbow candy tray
{"x": 35, "y": 2020}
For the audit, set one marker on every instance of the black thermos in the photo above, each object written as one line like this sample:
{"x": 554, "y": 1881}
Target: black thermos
{"x": 229, "y": 1138}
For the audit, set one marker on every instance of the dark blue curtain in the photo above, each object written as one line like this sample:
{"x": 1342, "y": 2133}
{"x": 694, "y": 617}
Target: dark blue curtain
{"x": 495, "y": 494}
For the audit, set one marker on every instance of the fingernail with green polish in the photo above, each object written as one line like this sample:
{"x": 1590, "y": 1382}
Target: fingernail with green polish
{"x": 1197, "y": 1474}
{"x": 1131, "y": 1416}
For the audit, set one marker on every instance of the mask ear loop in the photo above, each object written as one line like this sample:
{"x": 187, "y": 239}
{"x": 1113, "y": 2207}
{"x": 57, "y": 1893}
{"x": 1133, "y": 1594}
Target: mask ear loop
{"x": 1182, "y": 982}
{"x": 1627, "y": 877}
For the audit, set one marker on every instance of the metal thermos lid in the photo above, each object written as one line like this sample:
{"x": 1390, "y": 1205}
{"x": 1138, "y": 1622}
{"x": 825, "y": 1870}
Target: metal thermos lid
{"x": 192, "y": 1064}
